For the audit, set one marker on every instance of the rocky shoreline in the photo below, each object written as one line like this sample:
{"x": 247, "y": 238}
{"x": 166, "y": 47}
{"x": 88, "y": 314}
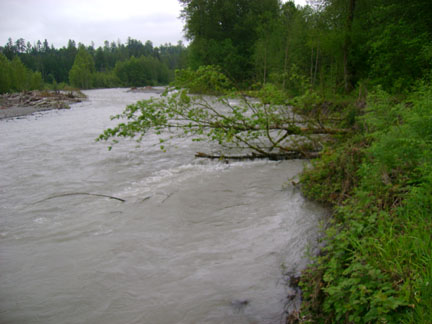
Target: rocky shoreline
{"x": 29, "y": 102}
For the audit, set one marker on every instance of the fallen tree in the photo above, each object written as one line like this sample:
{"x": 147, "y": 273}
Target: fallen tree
{"x": 259, "y": 128}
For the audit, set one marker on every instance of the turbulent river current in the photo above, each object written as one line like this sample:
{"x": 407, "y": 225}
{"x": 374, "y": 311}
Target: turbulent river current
{"x": 195, "y": 241}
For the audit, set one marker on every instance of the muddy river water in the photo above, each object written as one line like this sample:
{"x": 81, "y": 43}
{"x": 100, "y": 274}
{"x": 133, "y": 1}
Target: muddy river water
{"x": 195, "y": 241}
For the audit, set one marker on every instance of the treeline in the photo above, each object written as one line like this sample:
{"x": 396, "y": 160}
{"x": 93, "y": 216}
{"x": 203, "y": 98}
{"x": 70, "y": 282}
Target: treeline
{"x": 113, "y": 65}
{"x": 329, "y": 45}
{"x": 334, "y": 45}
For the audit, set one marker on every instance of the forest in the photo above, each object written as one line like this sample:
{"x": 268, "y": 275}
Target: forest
{"x": 329, "y": 46}
{"x": 24, "y": 66}
{"x": 358, "y": 72}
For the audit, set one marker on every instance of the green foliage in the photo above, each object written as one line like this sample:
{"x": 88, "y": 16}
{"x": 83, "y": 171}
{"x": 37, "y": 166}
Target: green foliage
{"x": 204, "y": 80}
{"x": 329, "y": 46}
{"x": 14, "y": 76}
{"x": 264, "y": 128}
{"x": 224, "y": 33}
{"x": 35, "y": 80}
{"x": 141, "y": 71}
{"x": 333, "y": 177}
{"x": 18, "y": 75}
{"x": 54, "y": 64}
{"x": 398, "y": 48}
{"x": 181, "y": 115}
{"x": 396, "y": 58}
{"x": 81, "y": 74}
{"x": 270, "y": 94}
{"x": 337, "y": 44}
{"x": 376, "y": 265}
{"x": 5, "y": 74}
{"x": 105, "y": 80}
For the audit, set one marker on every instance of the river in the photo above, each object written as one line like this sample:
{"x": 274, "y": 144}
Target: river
{"x": 195, "y": 241}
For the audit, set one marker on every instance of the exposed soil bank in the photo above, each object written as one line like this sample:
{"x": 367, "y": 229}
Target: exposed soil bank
{"x": 26, "y": 103}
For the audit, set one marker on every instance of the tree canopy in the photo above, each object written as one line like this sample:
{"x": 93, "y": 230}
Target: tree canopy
{"x": 331, "y": 44}
{"x": 223, "y": 32}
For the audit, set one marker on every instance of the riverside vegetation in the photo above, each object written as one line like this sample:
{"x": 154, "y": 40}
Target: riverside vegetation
{"x": 348, "y": 82}
{"x": 376, "y": 266}
{"x": 375, "y": 173}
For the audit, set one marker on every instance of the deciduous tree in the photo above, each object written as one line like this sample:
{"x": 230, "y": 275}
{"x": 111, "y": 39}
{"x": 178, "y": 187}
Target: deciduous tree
{"x": 80, "y": 75}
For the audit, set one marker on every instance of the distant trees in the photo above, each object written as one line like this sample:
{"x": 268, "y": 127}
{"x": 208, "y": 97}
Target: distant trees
{"x": 132, "y": 72}
{"x": 65, "y": 65}
{"x": 14, "y": 76}
{"x": 81, "y": 73}
{"x": 5, "y": 77}
{"x": 141, "y": 71}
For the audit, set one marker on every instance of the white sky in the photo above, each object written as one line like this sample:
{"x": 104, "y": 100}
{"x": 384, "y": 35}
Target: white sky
{"x": 85, "y": 21}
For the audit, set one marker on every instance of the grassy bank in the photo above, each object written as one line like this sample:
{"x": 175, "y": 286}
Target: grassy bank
{"x": 376, "y": 266}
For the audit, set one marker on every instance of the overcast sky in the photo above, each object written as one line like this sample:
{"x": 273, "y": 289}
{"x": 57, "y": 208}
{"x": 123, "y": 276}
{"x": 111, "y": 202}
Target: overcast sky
{"x": 85, "y": 21}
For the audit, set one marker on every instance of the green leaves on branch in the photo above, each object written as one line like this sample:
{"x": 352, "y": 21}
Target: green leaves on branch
{"x": 232, "y": 121}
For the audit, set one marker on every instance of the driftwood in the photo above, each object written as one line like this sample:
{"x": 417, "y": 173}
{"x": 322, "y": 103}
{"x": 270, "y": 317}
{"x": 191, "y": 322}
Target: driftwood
{"x": 80, "y": 194}
{"x": 271, "y": 156}
{"x": 41, "y": 99}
